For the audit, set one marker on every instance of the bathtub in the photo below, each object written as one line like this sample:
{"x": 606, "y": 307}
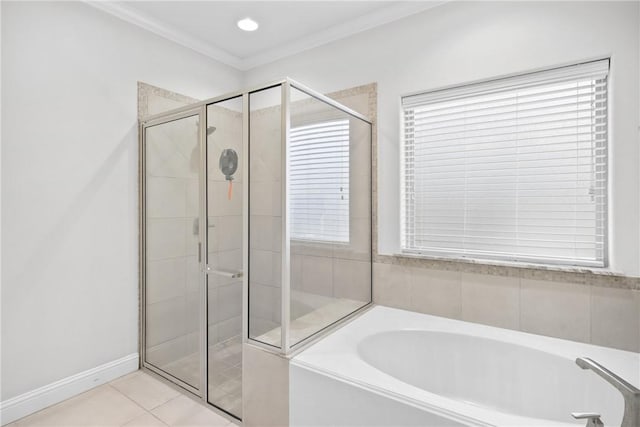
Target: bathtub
{"x": 393, "y": 367}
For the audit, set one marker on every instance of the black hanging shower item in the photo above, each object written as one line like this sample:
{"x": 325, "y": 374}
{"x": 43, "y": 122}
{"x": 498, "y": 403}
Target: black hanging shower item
{"x": 228, "y": 165}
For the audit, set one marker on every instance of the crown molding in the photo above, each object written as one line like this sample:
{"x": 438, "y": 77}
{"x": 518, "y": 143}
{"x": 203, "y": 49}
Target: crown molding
{"x": 362, "y": 23}
{"x": 168, "y": 32}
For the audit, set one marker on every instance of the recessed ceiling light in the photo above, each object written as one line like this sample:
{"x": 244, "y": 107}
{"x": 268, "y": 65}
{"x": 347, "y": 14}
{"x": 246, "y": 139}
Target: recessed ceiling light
{"x": 247, "y": 24}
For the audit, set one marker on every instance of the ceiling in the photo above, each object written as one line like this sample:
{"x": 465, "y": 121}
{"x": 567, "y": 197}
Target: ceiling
{"x": 286, "y": 27}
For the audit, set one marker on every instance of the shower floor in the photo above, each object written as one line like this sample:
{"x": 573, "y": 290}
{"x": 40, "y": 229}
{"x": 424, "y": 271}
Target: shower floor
{"x": 225, "y": 373}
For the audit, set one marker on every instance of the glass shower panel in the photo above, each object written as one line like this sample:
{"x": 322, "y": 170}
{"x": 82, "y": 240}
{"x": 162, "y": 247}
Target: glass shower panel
{"x": 224, "y": 257}
{"x": 329, "y": 214}
{"x": 172, "y": 276}
{"x": 265, "y": 217}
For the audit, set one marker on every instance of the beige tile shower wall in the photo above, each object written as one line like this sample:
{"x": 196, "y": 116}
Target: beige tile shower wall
{"x": 585, "y": 312}
{"x": 265, "y": 260}
{"x": 224, "y": 226}
{"x": 155, "y": 100}
{"x": 172, "y": 270}
{"x": 179, "y": 336}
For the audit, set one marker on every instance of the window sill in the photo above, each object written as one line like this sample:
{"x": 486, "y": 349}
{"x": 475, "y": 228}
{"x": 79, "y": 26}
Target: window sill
{"x": 317, "y": 243}
{"x": 603, "y": 277}
{"x": 515, "y": 264}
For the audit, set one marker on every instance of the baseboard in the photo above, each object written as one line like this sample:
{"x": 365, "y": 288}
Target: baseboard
{"x": 35, "y": 400}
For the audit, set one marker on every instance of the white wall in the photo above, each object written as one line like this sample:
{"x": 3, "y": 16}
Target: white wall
{"x": 69, "y": 163}
{"x": 462, "y": 42}
{"x": 69, "y": 182}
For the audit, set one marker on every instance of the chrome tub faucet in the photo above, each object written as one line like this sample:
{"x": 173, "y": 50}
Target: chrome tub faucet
{"x": 630, "y": 394}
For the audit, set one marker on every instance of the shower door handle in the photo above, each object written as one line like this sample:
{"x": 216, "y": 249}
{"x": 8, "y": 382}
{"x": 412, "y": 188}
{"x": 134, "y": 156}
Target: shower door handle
{"x": 225, "y": 273}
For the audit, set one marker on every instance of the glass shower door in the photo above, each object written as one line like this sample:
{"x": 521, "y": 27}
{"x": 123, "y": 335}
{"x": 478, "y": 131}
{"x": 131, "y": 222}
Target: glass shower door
{"x": 193, "y": 251}
{"x": 224, "y": 254}
{"x": 172, "y": 295}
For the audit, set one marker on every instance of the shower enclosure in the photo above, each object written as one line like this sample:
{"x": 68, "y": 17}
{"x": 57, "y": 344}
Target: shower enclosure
{"x": 255, "y": 228}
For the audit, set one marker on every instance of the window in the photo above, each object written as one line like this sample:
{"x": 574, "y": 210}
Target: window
{"x": 512, "y": 169}
{"x": 319, "y": 185}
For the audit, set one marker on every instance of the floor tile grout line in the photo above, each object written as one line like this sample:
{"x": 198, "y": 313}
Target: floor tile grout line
{"x": 141, "y": 373}
{"x": 149, "y": 411}
{"x": 128, "y": 398}
{"x": 145, "y": 409}
{"x": 199, "y": 405}
{"x": 146, "y": 412}
{"x": 170, "y": 400}
{"x": 157, "y": 418}
{"x": 112, "y": 388}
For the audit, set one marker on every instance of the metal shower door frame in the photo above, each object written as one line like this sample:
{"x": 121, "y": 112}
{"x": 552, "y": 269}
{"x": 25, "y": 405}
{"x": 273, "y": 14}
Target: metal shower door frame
{"x": 194, "y": 111}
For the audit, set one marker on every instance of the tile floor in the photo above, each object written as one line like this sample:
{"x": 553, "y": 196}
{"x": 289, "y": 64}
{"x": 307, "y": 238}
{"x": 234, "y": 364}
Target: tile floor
{"x": 135, "y": 400}
{"x": 225, "y": 373}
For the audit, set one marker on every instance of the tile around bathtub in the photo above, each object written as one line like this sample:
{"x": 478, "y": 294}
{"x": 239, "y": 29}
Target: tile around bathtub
{"x": 615, "y": 318}
{"x": 317, "y": 275}
{"x": 309, "y": 248}
{"x": 491, "y": 300}
{"x": 352, "y": 279}
{"x": 556, "y": 309}
{"x": 435, "y": 292}
{"x": 391, "y": 285}
{"x": 359, "y": 246}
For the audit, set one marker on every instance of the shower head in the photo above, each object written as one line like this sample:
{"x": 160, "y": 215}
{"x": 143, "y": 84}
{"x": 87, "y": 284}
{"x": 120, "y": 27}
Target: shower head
{"x": 210, "y": 129}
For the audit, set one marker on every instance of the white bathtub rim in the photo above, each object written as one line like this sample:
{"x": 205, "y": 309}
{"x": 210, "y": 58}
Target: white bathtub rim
{"x": 402, "y": 398}
{"x": 615, "y": 358}
{"x": 456, "y": 410}
{"x": 337, "y": 356}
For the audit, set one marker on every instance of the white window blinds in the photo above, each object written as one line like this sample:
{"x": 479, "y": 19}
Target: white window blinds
{"x": 319, "y": 181}
{"x": 512, "y": 169}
